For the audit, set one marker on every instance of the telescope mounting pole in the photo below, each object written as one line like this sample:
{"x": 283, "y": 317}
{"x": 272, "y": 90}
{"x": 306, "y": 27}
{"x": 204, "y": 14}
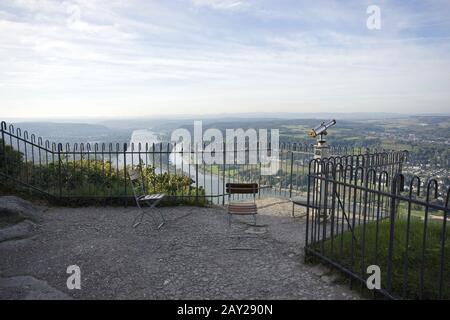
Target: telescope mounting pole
{"x": 321, "y": 152}
{"x": 320, "y": 148}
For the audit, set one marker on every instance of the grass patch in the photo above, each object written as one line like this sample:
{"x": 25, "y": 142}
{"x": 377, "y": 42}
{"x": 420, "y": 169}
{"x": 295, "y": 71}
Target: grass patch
{"x": 339, "y": 249}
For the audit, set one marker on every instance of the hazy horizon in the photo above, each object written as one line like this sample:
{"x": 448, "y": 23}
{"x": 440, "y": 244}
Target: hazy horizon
{"x": 256, "y": 115}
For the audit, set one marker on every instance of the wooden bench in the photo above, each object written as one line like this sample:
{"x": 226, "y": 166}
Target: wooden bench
{"x": 242, "y": 208}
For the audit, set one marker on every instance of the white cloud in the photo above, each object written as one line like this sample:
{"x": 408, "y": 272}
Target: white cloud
{"x": 102, "y": 57}
{"x": 221, "y": 4}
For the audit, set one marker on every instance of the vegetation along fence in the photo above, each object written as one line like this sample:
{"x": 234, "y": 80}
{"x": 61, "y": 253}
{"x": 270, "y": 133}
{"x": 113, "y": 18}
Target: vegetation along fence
{"x": 361, "y": 216}
{"x": 86, "y": 173}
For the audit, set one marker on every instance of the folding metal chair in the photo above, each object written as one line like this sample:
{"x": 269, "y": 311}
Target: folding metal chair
{"x": 151, "y": 200}
{"x": 240, "y": 208}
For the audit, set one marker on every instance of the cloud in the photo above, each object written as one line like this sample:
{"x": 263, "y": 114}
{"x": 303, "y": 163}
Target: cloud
{"x": 149, "y": 57}
{"x": 221, "y": 4}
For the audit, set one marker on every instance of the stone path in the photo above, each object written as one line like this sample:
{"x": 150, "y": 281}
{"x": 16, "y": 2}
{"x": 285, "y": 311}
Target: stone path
{"x": 194, "y": 256}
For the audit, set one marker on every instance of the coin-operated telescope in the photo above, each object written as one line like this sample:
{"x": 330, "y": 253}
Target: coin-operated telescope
{"x": 321, "y": 130}
{"x": 320, "y": 150}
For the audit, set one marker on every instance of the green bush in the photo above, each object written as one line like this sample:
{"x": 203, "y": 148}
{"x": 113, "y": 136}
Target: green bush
{"x": 11, "y": 161}
{"x": 80, "y": 182}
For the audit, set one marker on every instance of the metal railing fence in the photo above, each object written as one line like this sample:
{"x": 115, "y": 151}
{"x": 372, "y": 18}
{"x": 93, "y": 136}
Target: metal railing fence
{"x": 362, "y": 216}
{"x": 97, "y": 172}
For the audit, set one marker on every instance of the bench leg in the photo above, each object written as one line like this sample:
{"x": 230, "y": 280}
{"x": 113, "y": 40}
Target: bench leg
{"x": 160, "y": 214}
{"x": 143, "y": 213}
{"x": 140, "y": 216}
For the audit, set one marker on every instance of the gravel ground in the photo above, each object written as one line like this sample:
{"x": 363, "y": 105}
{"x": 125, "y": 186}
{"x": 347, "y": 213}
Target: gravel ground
{"x": 194, "y": 256}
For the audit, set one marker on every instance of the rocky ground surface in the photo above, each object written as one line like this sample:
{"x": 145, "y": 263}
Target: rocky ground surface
{"x": 196, "y": 255}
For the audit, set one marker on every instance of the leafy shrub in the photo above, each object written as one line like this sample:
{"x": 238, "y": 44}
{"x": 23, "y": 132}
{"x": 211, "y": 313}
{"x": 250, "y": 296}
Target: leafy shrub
{"x": 84, "y": 181}
{"x": 10, "y": 160}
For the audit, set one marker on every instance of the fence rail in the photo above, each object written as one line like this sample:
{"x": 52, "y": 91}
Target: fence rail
{"x": 357, "y": 217}
{"x": 84, "y": 171}
{"x": 97, "y": 172}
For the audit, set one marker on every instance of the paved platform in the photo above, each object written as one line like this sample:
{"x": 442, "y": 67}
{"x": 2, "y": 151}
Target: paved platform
{"x": 194, "y": 256}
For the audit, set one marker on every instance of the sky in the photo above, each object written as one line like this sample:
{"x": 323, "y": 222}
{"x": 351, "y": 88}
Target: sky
{"x": 110, "y": 58}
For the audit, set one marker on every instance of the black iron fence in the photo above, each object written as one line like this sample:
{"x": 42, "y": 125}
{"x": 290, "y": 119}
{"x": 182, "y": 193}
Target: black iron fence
{"x": 83, "y": 172}
{"x": 361, "y": 216}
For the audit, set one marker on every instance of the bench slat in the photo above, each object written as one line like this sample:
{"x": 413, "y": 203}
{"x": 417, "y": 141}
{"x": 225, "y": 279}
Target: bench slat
{"x": 242, "y": 208}
{"x": 242, "y": 188}
{"x": 155, "y": 196}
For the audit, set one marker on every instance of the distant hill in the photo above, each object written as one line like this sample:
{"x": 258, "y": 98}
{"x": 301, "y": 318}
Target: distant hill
{"x": 74, "y": 132}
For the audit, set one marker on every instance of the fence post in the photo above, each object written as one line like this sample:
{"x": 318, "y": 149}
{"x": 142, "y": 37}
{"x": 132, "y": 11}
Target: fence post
{"x": 196, "y": 174}
{"x": 444, "y": 226}
{"x": 400, "y": 168}
{"x": 125, "y": 172}
{"x": 308, "y": 201}
{"x": 292, "y": 169}
{"x": 59, "y": 170}
{"x": 223, "y": 172}
{"x": 5, "y": 164}
{"x": 320, "y": 153}
{"x": 3, "y": 137}
{"x": 393, "y": 209}
{"x": 259, "y": 168}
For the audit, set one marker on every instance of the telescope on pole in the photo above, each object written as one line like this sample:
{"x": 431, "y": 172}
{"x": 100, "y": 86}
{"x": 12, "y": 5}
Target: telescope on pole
{"x": 321, "y": 130}
{"x": 320, "y": 150}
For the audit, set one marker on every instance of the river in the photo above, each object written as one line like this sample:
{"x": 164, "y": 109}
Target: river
{"x": 212, "y": 184}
